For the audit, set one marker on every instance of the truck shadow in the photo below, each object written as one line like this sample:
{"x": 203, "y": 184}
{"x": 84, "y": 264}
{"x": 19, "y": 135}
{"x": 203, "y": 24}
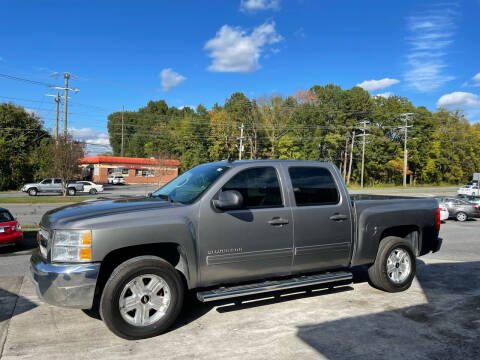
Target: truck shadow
{"x": 13, "y": 304}
{"x": 447, "y": 326}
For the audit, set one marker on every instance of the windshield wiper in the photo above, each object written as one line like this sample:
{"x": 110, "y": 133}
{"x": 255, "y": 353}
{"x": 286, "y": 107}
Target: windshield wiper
{"x": 166, "y": 197}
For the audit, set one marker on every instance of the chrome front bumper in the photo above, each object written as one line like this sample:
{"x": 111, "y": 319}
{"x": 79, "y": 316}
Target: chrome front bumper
{"x": 64, "y": 285}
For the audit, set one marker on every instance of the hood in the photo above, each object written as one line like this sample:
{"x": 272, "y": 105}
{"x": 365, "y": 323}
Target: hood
{"x": 59, "y": 217}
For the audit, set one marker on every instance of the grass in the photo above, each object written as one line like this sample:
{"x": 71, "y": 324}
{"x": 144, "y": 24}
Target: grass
{"x": 44, "y": 199}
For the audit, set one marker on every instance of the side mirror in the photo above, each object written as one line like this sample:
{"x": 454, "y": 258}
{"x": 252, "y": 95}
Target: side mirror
{"x": 228, "y": 200}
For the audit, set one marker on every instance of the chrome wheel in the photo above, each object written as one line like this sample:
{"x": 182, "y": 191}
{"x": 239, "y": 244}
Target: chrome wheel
{"x": 399, "y": 265}
{"x": 144, "y": 300}
{"x": 461, "y": 216}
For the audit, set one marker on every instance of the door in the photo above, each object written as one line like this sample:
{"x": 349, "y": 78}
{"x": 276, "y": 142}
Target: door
{"x": 45, "y": 185}
{"x": 57, "y": 185}
{"x": 323, "y": 225}
{"x": 253, "y": 242}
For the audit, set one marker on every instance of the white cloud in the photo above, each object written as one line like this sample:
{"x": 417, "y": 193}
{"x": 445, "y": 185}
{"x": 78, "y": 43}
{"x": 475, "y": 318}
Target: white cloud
{"x": 170, "y": 79}
{"x": 459, "y": 99}
{"x": 32, "y": 112}
{"x": 431, "y": 33}
{"x": 476, "y": 80}
{"x": 384, "y": 95}
{"x": 300, "y": 32}
{"x": 233, "y": 50}
{"x": 90, "y": 136}
{"x": 257, "y": 5}
{"x": 372, "y": 85}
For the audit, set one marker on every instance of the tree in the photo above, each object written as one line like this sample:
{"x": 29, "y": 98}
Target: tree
{"x": 65, "y": 155}
{"x": 20, "y": 133}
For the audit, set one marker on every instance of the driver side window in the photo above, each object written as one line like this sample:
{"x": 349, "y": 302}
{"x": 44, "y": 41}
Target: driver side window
{"x": 259, "y": 187}
{"x": 46, "y": 181}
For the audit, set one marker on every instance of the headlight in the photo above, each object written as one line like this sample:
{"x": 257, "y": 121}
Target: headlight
{"x": 72, "y": 246}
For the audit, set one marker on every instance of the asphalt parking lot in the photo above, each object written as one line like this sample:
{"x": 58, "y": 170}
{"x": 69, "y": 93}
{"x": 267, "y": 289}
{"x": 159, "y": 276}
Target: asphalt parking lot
{"x": 437, "y": 318}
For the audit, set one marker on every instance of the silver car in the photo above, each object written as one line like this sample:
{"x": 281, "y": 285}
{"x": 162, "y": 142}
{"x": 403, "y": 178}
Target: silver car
{"x": 460, "y": 209}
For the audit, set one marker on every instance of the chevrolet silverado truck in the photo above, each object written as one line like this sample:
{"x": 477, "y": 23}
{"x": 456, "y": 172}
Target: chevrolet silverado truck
{"x": 225, "y": 230}
{"x": 52, "y": 186}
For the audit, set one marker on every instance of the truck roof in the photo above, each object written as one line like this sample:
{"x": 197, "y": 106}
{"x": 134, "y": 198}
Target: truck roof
{"x": 270, "y": 161}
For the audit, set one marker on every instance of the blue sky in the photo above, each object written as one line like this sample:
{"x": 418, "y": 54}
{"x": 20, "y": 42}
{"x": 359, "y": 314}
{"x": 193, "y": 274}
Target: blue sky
{"x": 191, "y": 52}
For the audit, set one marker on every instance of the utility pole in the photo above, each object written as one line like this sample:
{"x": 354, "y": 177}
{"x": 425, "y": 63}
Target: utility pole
{"x": 240, "y": 148}
{"x": 66, "y": 76}
{"x": 406, "y": 117}
{"x": 57, "y": 103}
{"x": 364, "y": 136}
{"x": 351, "y": 158}
{"x": 65, "y": 101}
{"x": 123, "y": 109}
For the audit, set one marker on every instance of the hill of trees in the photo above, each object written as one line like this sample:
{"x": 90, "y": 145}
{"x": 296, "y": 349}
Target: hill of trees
{"x": 315, "y": 124}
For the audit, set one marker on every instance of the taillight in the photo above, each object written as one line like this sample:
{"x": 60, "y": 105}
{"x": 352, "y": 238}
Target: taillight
{"x": 437, "y": 219}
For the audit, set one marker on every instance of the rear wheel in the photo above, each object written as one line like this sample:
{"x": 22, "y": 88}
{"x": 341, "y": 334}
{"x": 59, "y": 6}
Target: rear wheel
{"x": 394, "y": 267}
{"x": 461, "y": 216}
{"x": 71, "y": 191}
{"x": 32, "y": 192}
{"x": 142, "y": 298}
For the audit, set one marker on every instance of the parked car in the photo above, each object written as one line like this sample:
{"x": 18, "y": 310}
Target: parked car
{"x": 460, "y": 209}
{"x": 224, "y": 230}
{"x": 116, "y": 179}
{"x": 52, "y": 186}
{"x": 470, "y": 189}
{"x": 471, "y": 199}
{"x": 10, "y": 230}
{"x": 444, "y": 214}
{"x": 91, "y": 187}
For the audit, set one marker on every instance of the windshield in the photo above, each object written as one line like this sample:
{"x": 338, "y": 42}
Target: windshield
{"x": 190, "y": 185}
{"x": 5, "y": 216}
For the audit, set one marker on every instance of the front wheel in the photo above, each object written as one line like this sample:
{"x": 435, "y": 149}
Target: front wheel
{"x": 142, "y": 298}
{"x": 461, "y": 216}
{"x": 32, "y": 192}
{"x": 394, "y": 267}
{"x": 93, "y": 191}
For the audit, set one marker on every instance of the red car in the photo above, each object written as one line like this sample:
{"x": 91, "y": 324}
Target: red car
{"x": 10, "y": 230}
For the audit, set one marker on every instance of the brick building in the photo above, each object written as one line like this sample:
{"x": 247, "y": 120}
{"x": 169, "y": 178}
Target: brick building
{"x": 134, "y": 170}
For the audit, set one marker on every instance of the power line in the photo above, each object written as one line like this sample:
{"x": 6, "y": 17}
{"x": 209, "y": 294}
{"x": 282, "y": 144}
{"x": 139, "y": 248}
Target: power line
{"x": 35, "y": 82}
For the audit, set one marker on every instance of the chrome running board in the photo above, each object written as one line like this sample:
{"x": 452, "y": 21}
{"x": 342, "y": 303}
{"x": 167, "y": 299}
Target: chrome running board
{"x": 268, "y": 286}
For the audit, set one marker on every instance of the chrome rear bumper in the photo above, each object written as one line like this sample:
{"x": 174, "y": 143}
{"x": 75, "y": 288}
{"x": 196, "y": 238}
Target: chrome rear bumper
{"x": 70, "y": 285}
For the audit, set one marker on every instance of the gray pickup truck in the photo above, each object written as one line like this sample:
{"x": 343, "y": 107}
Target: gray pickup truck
{"x": 224, "y": 230}
{"x": 54, "y": 185}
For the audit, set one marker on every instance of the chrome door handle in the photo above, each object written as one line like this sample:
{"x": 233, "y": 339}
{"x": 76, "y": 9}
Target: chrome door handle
{"x": 338, "y": 217}
{"x": 276, "y": 221}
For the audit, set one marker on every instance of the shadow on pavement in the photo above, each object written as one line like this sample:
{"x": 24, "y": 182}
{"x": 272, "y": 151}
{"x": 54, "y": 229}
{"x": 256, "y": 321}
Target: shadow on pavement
{"x": 28, "y": 243}
{"x": 11, "y": 306}
{"x": 446, "y": 327}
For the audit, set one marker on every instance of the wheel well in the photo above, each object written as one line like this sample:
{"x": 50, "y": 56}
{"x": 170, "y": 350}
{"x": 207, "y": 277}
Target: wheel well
{"x": 407, "y": 232}
{"x": 167, "y": 251}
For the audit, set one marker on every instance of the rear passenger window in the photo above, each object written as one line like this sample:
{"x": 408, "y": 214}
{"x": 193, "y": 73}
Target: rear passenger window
{"x": 313, "y": 186}
{"x": 259, "y": 187}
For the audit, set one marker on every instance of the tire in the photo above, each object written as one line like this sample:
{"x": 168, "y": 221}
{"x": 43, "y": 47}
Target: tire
{"x": 93, "y": 191}
{"x": 32, "y": 192}
{"x": 71, "y": 192}
{"x": 379, "y": 272}
{"x": 461, "y": 216}
{"x": 118, "y": 287}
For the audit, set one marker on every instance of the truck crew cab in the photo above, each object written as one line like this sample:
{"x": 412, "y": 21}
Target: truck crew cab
{"x": 222, "y": 230}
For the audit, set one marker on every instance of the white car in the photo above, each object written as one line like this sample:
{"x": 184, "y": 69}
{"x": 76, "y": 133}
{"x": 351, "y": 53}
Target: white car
{"x": 472, "y": 190}
{"x": 91, "y": 187}
{"x": 444, "y": 215}
{"x": 116, "y": 179}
